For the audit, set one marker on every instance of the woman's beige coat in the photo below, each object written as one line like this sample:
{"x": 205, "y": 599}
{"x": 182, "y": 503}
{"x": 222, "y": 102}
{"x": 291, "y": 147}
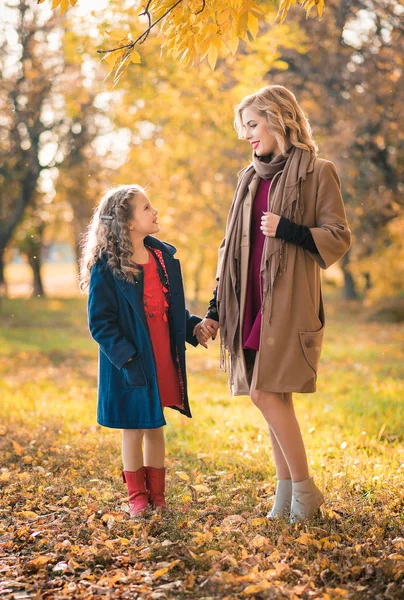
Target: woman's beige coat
{"x": 291, "y": 344}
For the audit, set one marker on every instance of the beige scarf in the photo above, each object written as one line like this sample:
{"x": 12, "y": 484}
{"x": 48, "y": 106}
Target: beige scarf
{"x": 288, "y": 173}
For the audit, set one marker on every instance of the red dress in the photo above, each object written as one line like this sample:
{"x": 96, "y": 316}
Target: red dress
{"x": 156, "y": 307}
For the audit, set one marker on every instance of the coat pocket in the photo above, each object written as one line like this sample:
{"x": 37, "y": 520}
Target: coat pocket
{"x": 311, "y": 342}
{"x": 134, "y": 375}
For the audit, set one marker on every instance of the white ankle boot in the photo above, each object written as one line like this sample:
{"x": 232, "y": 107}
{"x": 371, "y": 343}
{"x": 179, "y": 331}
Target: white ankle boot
{"x": 283, "y": 499}
{"x": 306, "y": 499}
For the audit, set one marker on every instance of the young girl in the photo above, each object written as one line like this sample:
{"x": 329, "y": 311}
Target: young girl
{"x": 137, "y": 315}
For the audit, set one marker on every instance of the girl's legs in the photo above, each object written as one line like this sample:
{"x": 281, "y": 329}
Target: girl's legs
{"x": 132, "y": 455}
{"x": 154, "y": 448}
{"x": 134, "y": 473}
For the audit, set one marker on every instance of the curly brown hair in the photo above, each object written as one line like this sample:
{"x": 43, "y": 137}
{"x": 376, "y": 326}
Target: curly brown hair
{"x": 285, "y": 118}
{"x": 108, "y": 235}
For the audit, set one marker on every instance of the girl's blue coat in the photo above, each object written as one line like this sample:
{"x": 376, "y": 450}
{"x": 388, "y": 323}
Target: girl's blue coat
{"x": 128, "y": 398}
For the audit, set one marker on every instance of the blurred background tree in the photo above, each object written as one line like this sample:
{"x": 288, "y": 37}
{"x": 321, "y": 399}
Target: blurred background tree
{"x": 169, "y": 128}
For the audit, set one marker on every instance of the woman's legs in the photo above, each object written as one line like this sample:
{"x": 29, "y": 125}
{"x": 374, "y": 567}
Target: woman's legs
{"x": 282, "y": 469}
{"x": 154, "y": 448}
{"x": 132, "y": 454}
{"x": 278, "y": 412}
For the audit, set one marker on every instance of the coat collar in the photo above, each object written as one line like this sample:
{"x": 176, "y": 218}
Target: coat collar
{"x": 166, "y": 248}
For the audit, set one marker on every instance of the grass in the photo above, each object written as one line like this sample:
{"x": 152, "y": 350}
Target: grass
{"x": 64, "y": 532}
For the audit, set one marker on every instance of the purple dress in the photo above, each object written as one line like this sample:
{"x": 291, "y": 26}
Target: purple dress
{"x": 252, "y": 313}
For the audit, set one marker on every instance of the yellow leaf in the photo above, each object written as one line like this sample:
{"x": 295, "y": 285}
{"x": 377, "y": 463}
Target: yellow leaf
{"x": 135, "y": 57}
{"x": 281, "y": 65}
{"x": 124, "y": 541}
{"x": 160, "y": 572}
{"x": 256, "y": 588}
{"x": 201, "y": 488}
{"x": 5, "y": 476}
{"x": 233, "y": 43}
{"x": 259, "y": 541}
{"x": 306, "y": 539}
{"x": 223, "y": 16}
{"x": 252, "y": 23}
{"x": 259, "y": 522}
{"x": 17, "y": 448}
{"x": 118, "y": 34}
{"x": 182, "y": 475}
{"x": 28, "y": 514}
{"x": 39, "y": 562}
{"x": 212, "y": 56}
{"x": 64, "y": 5}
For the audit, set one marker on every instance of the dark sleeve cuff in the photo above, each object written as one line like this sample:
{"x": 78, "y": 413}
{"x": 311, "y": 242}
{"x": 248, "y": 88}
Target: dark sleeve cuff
{"x": 212, "y": 312}
{"x": 300, "y": 235}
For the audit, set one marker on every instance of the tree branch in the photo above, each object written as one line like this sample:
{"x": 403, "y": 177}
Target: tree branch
{"x": 142, "y": 38}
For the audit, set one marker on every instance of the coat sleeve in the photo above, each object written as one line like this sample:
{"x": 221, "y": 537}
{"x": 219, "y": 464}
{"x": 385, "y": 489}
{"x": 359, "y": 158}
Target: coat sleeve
{"x": 191, "y": 321}
{"x": 331, "y": 235}
{"x": 103, "y": 318}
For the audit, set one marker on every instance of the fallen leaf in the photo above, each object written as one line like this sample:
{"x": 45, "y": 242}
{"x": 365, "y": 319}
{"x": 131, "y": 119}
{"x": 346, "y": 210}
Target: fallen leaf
{"x": 37, "y": 563}
{"x": 17, "y": 448}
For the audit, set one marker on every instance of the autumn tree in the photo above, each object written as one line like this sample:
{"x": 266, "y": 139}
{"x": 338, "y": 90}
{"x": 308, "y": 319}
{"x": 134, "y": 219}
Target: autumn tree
{"x": 26, "y": 75}
{"x": 50, "y": 122}
{"x": 351, "y": 85}
{"x": 189, "y": 30}
{"x": 177, "y": 123}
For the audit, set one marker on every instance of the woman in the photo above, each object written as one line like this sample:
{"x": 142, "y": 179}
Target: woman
{"x": 286, "y": 221}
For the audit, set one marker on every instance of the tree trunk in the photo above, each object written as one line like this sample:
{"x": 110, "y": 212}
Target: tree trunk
{"x": 3, "y": 283}
{"x": 350, "y": 291}
{"x": 35, "y": 264}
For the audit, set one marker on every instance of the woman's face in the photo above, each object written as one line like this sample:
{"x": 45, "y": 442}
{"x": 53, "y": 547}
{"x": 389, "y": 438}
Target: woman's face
{"x": 256, "y": 132}
{"x": 144, "y": 221}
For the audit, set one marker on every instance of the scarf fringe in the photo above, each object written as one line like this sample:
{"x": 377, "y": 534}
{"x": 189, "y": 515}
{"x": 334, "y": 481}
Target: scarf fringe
{"x": 224, "y": 356}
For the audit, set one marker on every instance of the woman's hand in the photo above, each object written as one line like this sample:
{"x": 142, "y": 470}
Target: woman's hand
{"x": 269, "y": 224}
{"x": 205, "y": 330}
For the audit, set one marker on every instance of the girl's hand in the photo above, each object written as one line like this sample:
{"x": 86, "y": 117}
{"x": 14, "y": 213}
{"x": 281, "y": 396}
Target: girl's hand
{"x": 269, "y": 224}
{"x": 205, "y": 330}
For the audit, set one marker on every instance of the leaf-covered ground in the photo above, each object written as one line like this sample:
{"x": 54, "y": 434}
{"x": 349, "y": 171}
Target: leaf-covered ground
{"x": 64, "y": 527}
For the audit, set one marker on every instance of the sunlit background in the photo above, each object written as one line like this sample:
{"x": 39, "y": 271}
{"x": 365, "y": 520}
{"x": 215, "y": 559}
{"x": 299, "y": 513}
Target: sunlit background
{"x": 67, "y": 135}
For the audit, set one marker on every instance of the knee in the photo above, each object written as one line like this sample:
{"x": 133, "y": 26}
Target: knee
{"x": 133, "y": 434}
{"x": 265, "y": 400}
{"x": 158, "y": 432}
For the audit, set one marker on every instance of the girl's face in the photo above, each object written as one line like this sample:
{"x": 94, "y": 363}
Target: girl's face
{"x": 256, "y": 132}
{"x": 144, "y": 221}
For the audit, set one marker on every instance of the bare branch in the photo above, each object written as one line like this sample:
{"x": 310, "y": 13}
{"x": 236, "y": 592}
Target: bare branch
{"x": 142, "y": 38}
{"x": 202, "y": 9}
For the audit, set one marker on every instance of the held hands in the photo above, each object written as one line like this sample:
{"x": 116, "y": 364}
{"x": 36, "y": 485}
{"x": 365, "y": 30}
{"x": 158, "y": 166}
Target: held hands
{"x": 205, "y": 330}
{"x": 269, "y": 223}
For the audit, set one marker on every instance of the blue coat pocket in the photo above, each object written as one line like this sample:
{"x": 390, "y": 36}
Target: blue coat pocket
{"x": 134, "y": 375}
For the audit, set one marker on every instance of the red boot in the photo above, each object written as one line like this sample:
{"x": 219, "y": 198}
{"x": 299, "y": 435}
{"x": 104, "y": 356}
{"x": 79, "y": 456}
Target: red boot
{"x": 137, "y": 492}
{"x": 155, "y": 483}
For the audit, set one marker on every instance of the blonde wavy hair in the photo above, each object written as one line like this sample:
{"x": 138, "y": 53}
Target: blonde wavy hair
{"x": 108, "y": 234}
{"x": 285, "y": 118}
